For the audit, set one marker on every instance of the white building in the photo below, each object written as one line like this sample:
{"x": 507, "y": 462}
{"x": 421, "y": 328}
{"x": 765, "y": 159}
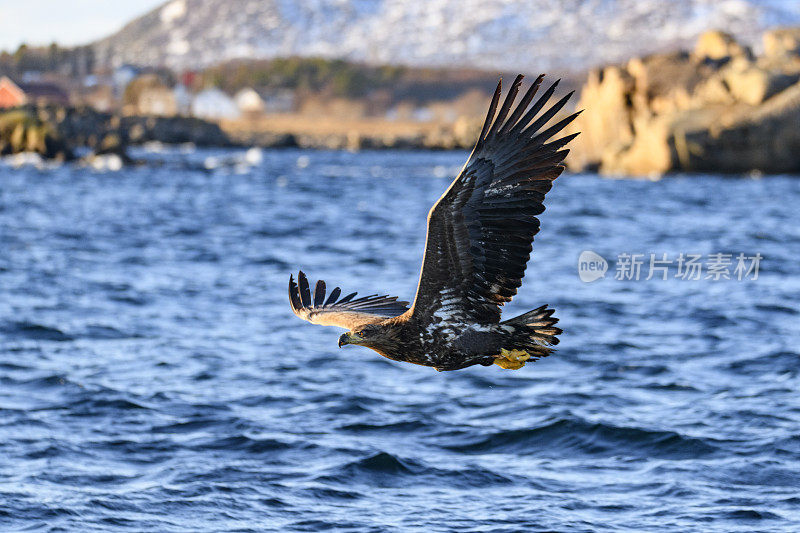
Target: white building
{"x": 213, "y": 104}
{"x": 249, "y": 101}
{"x": 183, "y": 99}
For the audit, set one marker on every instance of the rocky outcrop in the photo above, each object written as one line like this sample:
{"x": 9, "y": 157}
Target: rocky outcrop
{"x": 717, "y": 109}
{"x": 783, "y": 42}
{"x": 54, "y": 132}
{"x": 719, "y": 45}
{"x": 22, "y": 131}
{"x": 87, "y": 127}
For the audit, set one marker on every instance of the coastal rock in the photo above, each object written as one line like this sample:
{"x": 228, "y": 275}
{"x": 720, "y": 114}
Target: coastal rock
{"x": 112, "y": 145}
{"x": 173, "y": 130}
{"x": 54, "y": 131}
{"x": 263, "y": 139}
{"x": 753, "y": 85}
{"x": 606, "y": 123}
{"x": 765, "y": 139}
{"x": 717, "y": 44}
{"x": 782, "y": 42}
{"x": 22, "y": 131}
{"x": 717, "y": 109}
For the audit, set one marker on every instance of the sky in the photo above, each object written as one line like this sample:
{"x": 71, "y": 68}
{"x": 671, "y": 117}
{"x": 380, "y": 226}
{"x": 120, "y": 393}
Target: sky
{"x": 67, "y": 22}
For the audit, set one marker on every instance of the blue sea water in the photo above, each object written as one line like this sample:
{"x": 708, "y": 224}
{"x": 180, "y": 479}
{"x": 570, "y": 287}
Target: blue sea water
{"x": 153, "y": 377}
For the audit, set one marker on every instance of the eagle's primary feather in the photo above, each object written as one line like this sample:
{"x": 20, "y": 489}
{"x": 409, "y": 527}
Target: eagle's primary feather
{"x": 479, "y": 241}
{"x": 346, "y": 312}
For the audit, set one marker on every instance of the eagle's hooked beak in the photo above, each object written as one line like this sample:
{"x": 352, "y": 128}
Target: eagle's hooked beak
{"x": 344, "y": 339}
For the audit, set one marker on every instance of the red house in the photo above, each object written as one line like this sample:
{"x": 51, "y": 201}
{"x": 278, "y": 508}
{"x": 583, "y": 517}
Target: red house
{"x": 10, "y": 94}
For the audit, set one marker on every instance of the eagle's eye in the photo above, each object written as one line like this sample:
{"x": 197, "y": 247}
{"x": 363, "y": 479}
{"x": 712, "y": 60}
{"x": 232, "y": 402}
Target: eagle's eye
{"x": 361, "y": 333}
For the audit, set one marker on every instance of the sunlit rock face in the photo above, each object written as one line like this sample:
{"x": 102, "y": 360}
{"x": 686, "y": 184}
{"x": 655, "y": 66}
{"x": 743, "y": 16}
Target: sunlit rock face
{"x": 719, "y": 108}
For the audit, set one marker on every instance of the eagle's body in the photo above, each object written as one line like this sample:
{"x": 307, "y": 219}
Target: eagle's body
{"x": 444, "y": 350}
{"x": 478, "y": 245}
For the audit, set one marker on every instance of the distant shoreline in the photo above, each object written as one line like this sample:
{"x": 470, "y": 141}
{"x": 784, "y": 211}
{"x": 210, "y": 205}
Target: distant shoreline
{"x": 327, "y": 132}
{"x": 55, "y": 132}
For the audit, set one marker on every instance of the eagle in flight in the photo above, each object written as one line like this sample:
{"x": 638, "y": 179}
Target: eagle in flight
{"x": 478, "y": 244}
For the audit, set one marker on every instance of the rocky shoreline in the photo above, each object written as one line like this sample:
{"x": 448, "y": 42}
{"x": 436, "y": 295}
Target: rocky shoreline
{"x": 366, "y": 135}
{"x": 56, "y": 132}
{"x": 718, "y": 108}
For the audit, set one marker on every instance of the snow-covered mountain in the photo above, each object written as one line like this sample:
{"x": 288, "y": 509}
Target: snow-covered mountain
{"x": 528, "y": 35}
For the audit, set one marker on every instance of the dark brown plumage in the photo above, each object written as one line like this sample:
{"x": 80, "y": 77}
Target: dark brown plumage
{"x": 480, "y": 235}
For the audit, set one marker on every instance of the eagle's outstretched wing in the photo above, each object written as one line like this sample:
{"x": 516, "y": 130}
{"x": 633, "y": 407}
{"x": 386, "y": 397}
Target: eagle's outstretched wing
{"x": 480, "y": 231}
{"x": 344, "y": 313}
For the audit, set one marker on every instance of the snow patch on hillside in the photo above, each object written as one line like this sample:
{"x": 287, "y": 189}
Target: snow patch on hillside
{"x": 173, "y": 11}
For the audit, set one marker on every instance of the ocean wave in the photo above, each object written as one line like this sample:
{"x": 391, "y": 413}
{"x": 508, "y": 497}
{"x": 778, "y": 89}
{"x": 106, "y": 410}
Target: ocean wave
{"x": 778, "y": 362}
{"x": 388, "y": 470}
{"x": 567, "y": 436}
{"x": 749, "y": 514}
{"x": 33, "y": 331}
{"x": 393, "y": 428}
{"x": 250, "y": 445}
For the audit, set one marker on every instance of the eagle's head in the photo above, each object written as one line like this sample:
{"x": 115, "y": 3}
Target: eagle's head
{"x": 379, "y": 337}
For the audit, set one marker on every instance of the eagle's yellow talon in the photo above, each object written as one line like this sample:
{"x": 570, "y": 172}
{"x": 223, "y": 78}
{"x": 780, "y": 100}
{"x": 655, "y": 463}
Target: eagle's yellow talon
{"x": 512, "y": 359}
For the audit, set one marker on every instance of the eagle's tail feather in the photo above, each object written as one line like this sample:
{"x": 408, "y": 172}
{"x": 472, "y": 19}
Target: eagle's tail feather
{"x": 530, "y": 337}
